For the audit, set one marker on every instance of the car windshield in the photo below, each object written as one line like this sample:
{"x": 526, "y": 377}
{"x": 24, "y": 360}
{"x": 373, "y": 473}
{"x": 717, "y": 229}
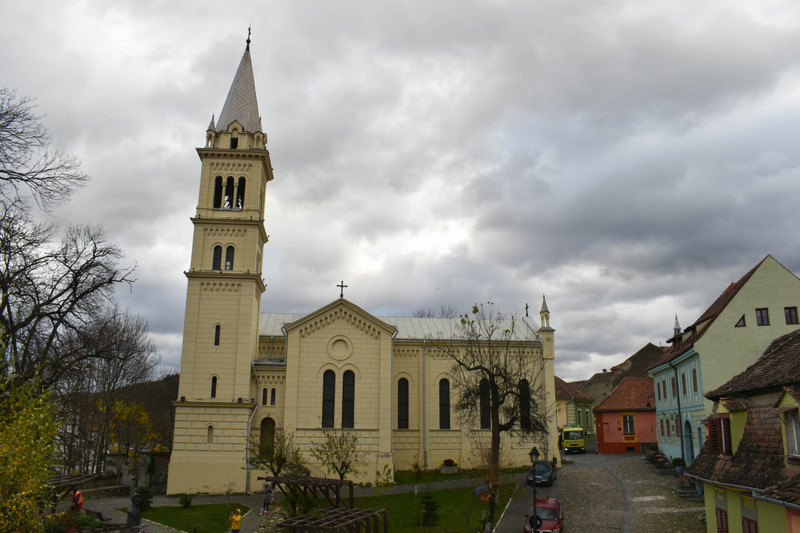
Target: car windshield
{"x": 547, "y": 514}
{"x": 571, "y": 435}
{"x": 542, "y": 467}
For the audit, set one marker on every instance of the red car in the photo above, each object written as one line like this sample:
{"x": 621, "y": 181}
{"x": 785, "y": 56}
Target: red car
{"x": 551, "y": 515}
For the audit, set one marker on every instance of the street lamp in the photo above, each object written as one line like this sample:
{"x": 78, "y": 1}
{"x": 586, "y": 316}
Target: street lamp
{"x": 534, "y": 520}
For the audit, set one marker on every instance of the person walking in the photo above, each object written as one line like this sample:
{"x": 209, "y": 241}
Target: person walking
{"x": 236, "y": 521}
{"x": 77, "y": 500}
{"x": 267, "y": 500}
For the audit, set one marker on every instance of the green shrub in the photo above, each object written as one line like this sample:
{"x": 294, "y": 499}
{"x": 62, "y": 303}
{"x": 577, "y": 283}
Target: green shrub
{"x": 186, "y": 500}
{"x": 678, "y": 461}
{"x": 146, "y": 497}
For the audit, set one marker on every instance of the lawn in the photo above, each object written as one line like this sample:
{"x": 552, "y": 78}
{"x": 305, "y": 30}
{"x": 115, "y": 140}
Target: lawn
{"x": 212, "y": 518}
{"x": 458, "y": 509}
{"x": 408, "y": 477}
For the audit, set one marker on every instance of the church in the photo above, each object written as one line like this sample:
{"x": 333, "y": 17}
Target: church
{"x": 245, "y": 374}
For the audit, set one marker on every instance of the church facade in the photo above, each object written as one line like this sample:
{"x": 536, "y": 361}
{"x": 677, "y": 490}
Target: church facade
{"x": 245, "y": 374}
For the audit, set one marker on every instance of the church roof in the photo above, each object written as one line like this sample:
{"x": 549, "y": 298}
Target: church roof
{"x": 407, "y": 327}
{"x": 241, "y": 103}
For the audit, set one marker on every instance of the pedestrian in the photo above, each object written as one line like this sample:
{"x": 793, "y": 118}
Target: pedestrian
{"x": 236, "y": 521}
{"x": 77, "y": 500}
{"x": 267, "y": 500}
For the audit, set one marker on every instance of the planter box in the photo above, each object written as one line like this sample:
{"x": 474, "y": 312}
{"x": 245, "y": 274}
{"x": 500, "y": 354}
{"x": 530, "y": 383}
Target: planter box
{"x": 448, "y": 469}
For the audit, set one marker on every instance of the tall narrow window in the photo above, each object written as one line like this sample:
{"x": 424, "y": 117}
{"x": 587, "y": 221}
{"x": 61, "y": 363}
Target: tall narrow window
{"x": 444, "y": 404}
{"x": 793, "y": 433}
{"x": 486, "y": 422}
{"x": 229, "y": 258}
{"x": 214, "y": 387}
{"x": 524, "y": 404}
{"x": 674, "y": 386}
{"x": 272, "y": 395}
{"x": 217, "y": 330}
{"x": 402, "y": 404}
{"x": 210, "y": 435}
{"x": 694, "y": 380}
{"x": 628, "y": 427}
{"x": 791, "y": 315}
{"x": 228, "y": 193}
{"x": 328, "y": 398}
{"x": 683, "y": 384}
{"x": 218, "y": 192}
{"x": 348, "y": 399}
{"x": 267, "y": 434}
{"x": 264, "y": 396}
{"x": 217, "y": 258}
{"x": 762, "y": 317}
{"x": 240, "y": 194}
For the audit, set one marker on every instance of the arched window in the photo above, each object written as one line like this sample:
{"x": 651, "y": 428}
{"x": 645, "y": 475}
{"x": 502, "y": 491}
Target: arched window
{"x": 486, "y": 422}
{"x": 214, "y": 387}
{"x": 264, "y": 396}
{"x": 348, "y": 399}
{"x": 402, "y": 404}
{"x": 525, "y": 404}
{"x": 240, "y": 194}
{"x": 229, "y": 258}
{"x": 217, "y": 330}
{"x": 228, "y": 193}
{"x": 218, "y": 192}
{"x": 210, "y": 435}
{"x": 217, "y": 260}
{"x": 444, "y": 404}
{"x": 328, "y": 398}
{"x": 267, "y": 434}
{"x": 272, "y": 394}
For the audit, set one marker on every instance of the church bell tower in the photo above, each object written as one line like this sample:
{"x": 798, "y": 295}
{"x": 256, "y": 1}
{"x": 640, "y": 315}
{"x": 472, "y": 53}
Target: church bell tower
{"x": 216, "y": 395}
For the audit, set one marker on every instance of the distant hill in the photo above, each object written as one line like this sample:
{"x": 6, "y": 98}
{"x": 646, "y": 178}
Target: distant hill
{"x": 157, "y": 397}
{"x": 600, "y": 385}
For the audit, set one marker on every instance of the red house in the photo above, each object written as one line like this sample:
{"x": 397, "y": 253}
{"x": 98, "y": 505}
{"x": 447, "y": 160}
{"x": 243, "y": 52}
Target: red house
{"x": 626, "y": 419}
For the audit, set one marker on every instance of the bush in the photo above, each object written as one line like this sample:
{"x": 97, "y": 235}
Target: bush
{"x": 146, "y": 497}
{"x": 653, "y": 447}
{"x": 678, "y": 461}
{"x": 430, "y": 509}
{"x": 186, "y": 500}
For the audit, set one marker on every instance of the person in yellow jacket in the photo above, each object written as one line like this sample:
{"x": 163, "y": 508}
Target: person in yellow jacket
{"x": 236, "y": 521}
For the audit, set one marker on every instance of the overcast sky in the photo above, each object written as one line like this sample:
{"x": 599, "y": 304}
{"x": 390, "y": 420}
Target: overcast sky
{"x": 627, "y": 159}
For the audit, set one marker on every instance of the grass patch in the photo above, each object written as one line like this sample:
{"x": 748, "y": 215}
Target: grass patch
{"x": 408, "y": 477}
{"x": 459, "y": 509}
{"x": 211, "y": 518}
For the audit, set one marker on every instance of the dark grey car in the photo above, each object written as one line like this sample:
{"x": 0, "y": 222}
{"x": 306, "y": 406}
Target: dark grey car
{"x": 542, "y": 473}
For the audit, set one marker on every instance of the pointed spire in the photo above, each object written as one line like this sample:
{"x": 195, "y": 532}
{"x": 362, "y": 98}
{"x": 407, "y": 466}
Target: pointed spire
{"x": 241, "y": 103}
{"x": 544, "y": 308}
{"x": 676, "y": 329}
{"x": 211, "y": 126}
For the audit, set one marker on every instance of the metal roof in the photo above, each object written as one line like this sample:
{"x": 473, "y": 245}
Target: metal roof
{"x": 241, "y": 103}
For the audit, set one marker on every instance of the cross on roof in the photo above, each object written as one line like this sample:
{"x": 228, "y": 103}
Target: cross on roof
{"x": 526, "y": 309}
{"x": 341, "y": 286}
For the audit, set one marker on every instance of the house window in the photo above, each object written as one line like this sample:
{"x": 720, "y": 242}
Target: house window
{"x": 722, "y": 520}
{"x": 264, "y": 397}
{"x": 658, "y": 391}
{"x": 348, "y": 399}
{"x": 580, "y": 418}
{"x": 214, "y": 387}
{"x": 484, "y": 407}
{"x": 683, "y": 384}
{"x": 762, "y": 317}
{"x": 740, "y": 323}
{"x": 524, "y": 404}
{"x": 402, "y": 404}
{"x": 793, "y": 433}
{"x": 217, "y": 260}
{"x": 669, "y": 429}
{"x": 328, "y": 398}
{"x": 694, "y": 379}
{"x": 229, "y": 258}
{"x": 719, "y": 435}
{"x": 674, "y": 386}
{"x": 749, "y": 525}
{"x": 791, "y": 315}
{"x": 444, "y": 404}
{"x": 217, "y": 192}
{"x": 272, "y": 395}
{"x": 217, "y": 330}
{"x": 662, "y": 427}
{"x": 628, "y": 427}
{"x": 267, "y": 434}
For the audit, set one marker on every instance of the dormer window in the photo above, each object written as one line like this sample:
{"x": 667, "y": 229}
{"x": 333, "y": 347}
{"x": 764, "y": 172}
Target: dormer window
{"x": 792, "y": 433}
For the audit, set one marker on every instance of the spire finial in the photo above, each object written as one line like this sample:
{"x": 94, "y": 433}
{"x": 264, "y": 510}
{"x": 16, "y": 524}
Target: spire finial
{"x": 248, "y": 38}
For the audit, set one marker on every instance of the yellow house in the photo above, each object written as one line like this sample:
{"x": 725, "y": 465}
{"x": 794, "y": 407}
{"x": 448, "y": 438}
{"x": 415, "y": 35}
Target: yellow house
{"x": 245, "y": 374}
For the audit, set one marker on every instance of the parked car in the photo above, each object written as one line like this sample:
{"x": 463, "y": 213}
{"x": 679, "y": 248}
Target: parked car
{"x": 550, "y": 517}
{"x": 542, "y": 473}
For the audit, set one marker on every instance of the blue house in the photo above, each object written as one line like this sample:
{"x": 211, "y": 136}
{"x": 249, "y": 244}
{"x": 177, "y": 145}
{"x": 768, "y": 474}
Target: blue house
{"x": 727, "y": 338}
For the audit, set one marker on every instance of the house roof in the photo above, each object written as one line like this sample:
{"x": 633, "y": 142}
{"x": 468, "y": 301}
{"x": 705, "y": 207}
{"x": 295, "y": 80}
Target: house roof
{"x": 565, "y": 391}
{"x": 759, "y": 460}
{"x": 786, "y": 490}
{"x": 701, "y": 325}
{"x": 779, "y": 366}
{"x": 600, "y": 385}
{"x": 632, "y": 394}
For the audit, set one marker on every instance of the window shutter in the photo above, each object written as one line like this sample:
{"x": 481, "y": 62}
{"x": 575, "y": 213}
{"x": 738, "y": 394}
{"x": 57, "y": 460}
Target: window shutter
{"x": 714, "y": 444}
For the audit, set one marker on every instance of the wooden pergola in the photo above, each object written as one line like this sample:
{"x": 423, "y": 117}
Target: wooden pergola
{"x": 340, "y": 517}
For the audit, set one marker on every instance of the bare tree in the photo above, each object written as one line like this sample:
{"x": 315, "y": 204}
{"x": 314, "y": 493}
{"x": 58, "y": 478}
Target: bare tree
{"x": 445, "y": 311}
{"x": 339, "y": 452}
{"x": 26, "y": 166}
{"x": 278, "y": 455}
{"x": 494, "y": 370}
